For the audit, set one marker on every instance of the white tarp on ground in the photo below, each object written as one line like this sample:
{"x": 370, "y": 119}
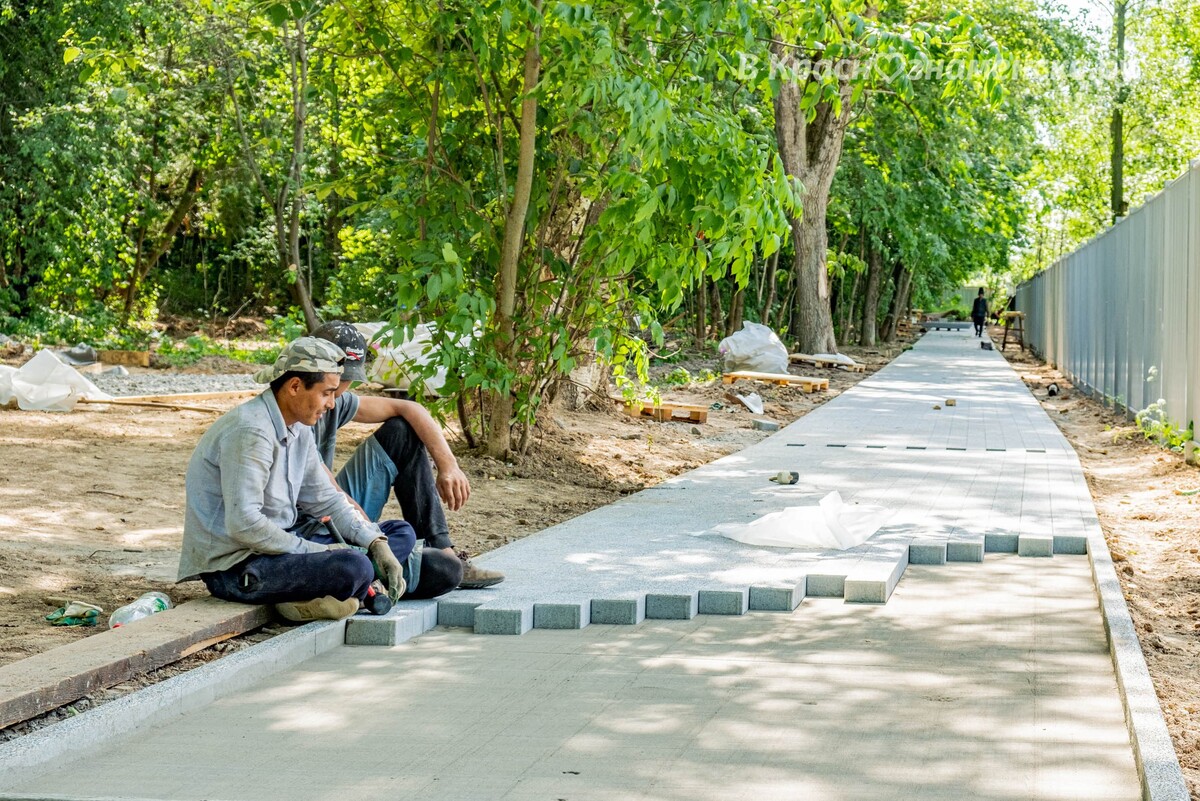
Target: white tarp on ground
{"x": 393, "y": 364}
{"x": 45, "y": 384}
{"x": 832, "y": 525}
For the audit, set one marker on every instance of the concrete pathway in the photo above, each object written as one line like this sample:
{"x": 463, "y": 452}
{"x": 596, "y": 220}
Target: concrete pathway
{"x": 989, "y": 473}
{"x": 976, "y": 679}
{"x": 983, "y": 682}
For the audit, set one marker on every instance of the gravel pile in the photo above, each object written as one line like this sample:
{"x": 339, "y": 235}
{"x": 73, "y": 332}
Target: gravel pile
{"x": 171, "y": 383}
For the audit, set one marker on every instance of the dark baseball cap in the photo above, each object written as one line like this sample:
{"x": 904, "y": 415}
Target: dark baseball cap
{"x": 346, "y": 337}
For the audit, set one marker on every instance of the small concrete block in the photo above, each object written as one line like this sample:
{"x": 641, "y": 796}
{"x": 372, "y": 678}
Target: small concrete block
{"x": 1000, "y": 543}
{"x": 504, "y": 621}
{"x": 764, "y": 425}
{"x": 407, "y": 619}
{"x": 1070, "y": 544}
{"x": 675, "y": 606}
{"x": 964, "y": 551}
{"x": 723, "y": 602}
{"x": 561, "y": 615}
{"x": 619, "y": 611}
{"x": 777, "y": 599}
{"x": 872, "y": 581}
{"x": 457, "y": 613}
{"x": 927, "y": 552}
{"x": 1035, "y": 545}
{"x": 824, "y": 586}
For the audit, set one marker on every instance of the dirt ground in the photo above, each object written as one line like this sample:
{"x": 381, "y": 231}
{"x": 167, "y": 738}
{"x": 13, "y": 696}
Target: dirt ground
{"x": 91, "y": 505}
{"x": 91, "y": 502}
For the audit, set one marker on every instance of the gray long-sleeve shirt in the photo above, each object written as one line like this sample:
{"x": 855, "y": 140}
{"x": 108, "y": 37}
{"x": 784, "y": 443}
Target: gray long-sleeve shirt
{"x": 249, "y": 478}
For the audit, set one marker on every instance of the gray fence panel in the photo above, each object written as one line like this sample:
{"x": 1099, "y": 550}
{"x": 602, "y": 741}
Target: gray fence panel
{"x": 1121, "y": 314}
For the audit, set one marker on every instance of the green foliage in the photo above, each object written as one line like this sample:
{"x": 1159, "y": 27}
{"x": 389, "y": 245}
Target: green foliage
{"x": 183, "y": 353}
{"x": 1154, "y": 425}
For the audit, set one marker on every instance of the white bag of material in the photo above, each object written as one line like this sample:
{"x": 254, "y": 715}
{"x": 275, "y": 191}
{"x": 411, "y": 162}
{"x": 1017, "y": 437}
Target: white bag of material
{"x": 394, "y": 364}
{"x": 840, "y": 358}
{"x": 832, "y": 525}
{"x": 45, "y": 384}
{"x": 6, "y": 377}
{"x": 756, "y": 348}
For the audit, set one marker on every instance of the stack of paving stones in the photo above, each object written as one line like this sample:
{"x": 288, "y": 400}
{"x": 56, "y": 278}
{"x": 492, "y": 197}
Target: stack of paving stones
{"x": 990, "y": 473}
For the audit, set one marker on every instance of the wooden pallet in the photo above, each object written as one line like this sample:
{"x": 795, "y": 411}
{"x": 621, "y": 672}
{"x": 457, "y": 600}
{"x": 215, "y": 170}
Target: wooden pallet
{"x": 804, "y": 358}
{"x": 782, "y": 379}
{"x": 666, "y": 411}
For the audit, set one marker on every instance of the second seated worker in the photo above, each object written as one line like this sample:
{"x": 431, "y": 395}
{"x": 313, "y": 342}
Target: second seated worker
{"x": 395, "y": 459}
{"x": 255, "y": 475}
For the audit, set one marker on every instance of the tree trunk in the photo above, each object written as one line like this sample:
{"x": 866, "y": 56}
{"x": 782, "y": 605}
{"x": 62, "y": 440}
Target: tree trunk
{"x": 499, "y": 437}
{"x": 764, "y": 312}
{"x": 718, "y": 313}
{"x": 888, "y": 332}
{"x": 899, "y": 302}
{"x": 810, "y": 150}
{"x": 702, "y": 312}
{"x": 737, "y": 308}
{"x": 870, "y": 310}
{"x": 147, "y": 260}
{"x": 1117, "y": 126}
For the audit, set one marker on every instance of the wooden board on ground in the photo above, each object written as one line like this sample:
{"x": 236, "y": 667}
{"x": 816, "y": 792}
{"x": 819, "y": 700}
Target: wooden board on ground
{"x": 667, "y": 411}
{"x": 804, "y": 358}
{"x": 132, "y": 358}
{"x": 783, "y": 379}
{"x": 61, "y": 675}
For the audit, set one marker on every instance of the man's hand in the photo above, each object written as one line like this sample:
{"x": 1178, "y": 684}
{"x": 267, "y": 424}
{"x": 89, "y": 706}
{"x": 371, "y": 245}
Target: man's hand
{"x": 388, "y": 567}
{"x": 453, "y": 487}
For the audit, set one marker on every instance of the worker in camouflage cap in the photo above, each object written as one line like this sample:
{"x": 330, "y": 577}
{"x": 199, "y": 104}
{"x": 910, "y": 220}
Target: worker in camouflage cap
{"x": 304, "y": 355}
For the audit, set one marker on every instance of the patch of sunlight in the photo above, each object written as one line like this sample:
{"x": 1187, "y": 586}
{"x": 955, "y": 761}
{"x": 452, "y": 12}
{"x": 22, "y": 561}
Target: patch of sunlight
{"x": 142, "y": 536}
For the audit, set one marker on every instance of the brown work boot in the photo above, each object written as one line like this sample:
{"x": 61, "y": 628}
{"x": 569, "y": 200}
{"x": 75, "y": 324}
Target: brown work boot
{"x": 476, "y": 578}
{"x": 326, "y": 608}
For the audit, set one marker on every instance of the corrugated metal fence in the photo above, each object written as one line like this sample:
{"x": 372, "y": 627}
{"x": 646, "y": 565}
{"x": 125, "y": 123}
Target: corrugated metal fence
{"x": 1121, "y": 315}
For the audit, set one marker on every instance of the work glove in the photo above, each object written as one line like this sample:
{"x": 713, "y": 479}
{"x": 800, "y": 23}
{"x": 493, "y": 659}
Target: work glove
{"x": 387, "y": 567}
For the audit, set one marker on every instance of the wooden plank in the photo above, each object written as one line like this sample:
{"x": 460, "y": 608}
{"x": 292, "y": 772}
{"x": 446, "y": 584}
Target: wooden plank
{"x": 51, "y": 679}
{"x": 667, "y": 411}
{"x": 133, "y": 358}
{"x": 193, "y": 396}
{"x": 151, "y": 404}
{"x": 782, "y": 379}
{"x": 804, "y": 358}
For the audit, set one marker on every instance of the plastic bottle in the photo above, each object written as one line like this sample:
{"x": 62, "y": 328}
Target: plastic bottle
{"x": 145, "y": 606}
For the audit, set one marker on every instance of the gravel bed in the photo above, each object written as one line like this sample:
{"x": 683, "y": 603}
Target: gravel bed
{"x": 171, "y": 383}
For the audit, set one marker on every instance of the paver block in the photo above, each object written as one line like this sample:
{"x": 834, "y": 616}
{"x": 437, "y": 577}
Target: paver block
{"x": 407, "y": 619}
{"x": 504, "y": 621}
{"x": 1070, "y": 544}
{"x": 819, "y": 585}
{"x": 927, "y": 552}
{"x": 964, "y": 551}
{"x": 781, "y": 598}
{"x": 1035, "y": 545}
{"x": 723, "y": 602}
{"x": 1000, "y": 543}
{"x": 619, "y": 611}
{"x": 561, "y": 615}
{"x": 873, "y": 580}
{"x": 457, "y": 613}
{"x": 671, "y": 606}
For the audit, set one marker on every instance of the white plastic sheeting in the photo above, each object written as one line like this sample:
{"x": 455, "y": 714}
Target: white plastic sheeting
{"x": 831, "y": 525}
{"x": 45, "y": 384}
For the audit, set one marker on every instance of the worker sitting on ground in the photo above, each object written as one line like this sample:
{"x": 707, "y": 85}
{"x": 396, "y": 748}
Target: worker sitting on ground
{"x": 395, "y": 459}
{"x": 254, "y": 473}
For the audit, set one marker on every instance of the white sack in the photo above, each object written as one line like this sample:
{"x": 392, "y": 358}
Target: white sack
{"x": 393, "y": 364}
{"x": 6, "y": 377}
{"x": 830, "y": 526}
{"x": 756, "y": 348}
{"x": 840, "y": 358}
{"x": 45, "y": 384}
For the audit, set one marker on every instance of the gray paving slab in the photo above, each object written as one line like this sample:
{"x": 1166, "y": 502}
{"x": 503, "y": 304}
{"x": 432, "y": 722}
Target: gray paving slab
{"x": 958, "y": 688}
{"x": 982, "y": 475}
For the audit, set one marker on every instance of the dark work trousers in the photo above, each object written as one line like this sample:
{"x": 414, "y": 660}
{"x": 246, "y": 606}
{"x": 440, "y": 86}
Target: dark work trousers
{"x": 278, "y": 578}
{"x": 979, "y": 321}
{"x": 393, "y": 460}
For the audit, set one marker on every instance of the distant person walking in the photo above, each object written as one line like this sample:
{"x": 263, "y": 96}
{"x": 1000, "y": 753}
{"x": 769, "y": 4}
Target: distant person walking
{"x": 979, "y": 313}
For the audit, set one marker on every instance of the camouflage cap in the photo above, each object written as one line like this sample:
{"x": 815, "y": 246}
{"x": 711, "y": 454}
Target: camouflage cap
{"x": 304, "y": 355}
